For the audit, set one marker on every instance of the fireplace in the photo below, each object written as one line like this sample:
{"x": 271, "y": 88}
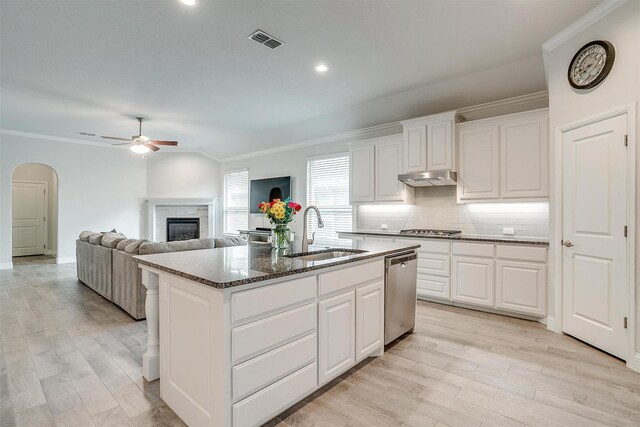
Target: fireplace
{"x": 183, "y": 229}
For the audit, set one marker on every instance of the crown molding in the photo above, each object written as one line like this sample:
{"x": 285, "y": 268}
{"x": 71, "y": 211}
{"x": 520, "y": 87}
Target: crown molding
{"x": 349, "y": 136}
{"x": 585, "y": 21}
{"x": 51, "y": 138}
{"x": 532, "y": 101}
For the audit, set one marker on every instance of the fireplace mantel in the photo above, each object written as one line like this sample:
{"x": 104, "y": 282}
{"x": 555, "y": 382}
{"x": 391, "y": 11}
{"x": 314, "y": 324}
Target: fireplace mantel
{"x": 152, "y": 205}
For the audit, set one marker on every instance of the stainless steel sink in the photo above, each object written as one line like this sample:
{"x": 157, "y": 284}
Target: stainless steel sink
{"x": 326, "y": 254}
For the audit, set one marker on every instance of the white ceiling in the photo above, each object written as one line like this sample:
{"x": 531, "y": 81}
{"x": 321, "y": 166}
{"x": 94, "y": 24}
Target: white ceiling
{"x": 70, "y": 66}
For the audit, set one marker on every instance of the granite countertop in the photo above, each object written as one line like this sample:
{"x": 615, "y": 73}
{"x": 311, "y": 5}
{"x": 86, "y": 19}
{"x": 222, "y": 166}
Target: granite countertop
{"x": 538, "y": 241}
{"x": 240, "y": 265}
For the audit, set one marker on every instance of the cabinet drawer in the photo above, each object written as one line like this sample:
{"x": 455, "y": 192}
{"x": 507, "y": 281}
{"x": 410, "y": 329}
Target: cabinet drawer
{"x": 345, "y": 278}
{"x": 524, "y": 253}
{"x": 263, "y": 405}
{"x": 473, "y": 249}
{"x": 434, "y": 246}
{"x": 257, "y": 303}
{"x": 437, "y": 264}
{"x": 263, "y": 335}
{"x": 434, "y": 286}
{"x": 263, "y": 370}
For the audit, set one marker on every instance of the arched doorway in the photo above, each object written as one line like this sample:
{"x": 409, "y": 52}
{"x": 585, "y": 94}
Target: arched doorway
{"x": 34, "y": 213}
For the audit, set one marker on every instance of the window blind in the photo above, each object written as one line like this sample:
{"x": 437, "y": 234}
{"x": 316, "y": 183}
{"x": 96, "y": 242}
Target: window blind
{"x": 236, "y": 202}
{"x": 328, "y": 189}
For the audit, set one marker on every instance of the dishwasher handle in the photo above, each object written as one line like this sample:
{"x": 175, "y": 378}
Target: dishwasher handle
{"x": 401, "y": 259}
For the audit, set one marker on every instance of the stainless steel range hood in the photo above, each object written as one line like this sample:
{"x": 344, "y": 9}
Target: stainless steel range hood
{"x": 429, "y": 179}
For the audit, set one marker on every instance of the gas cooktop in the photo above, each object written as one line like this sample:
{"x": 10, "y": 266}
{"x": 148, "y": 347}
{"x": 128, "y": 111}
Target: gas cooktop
{"x": 429, "y": 232}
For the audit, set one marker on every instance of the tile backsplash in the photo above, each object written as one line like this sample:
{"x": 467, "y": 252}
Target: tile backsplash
{"x": 436, "y": 207}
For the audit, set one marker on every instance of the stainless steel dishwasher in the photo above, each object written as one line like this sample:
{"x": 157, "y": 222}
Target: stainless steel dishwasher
{"x": 401, "y": 272}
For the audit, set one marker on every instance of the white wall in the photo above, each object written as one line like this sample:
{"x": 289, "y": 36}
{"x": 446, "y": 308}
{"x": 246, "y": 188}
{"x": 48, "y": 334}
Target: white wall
{"x": 176, "y": 175}
{"x": 44, "y": 173}
{"x": 622, "y": 28}
{"x": 98, "y": 188}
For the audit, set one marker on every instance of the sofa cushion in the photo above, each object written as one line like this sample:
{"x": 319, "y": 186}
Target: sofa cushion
{"x": 223, "y": 242}
{"x": 177, "y": 246}
{"x": 123, "y": 243}
{"x": 84, "y": 236}
{"x": 111, "y": 240}
{"x": 134, "y": 247}
{"x": 96, "y": 238}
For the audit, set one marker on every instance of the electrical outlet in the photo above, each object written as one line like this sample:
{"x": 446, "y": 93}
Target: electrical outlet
{"x": 384, "y": 227}
{"x": 509, "y": 231}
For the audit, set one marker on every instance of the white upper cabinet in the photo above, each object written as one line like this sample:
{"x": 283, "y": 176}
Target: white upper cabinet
{"x": 524, "y": 157}
{"x": 388, "y": 166}
{"x": 429, "y": 143}
{"x": 361, "y": 177}
{"x": 374, "y": 168}
{"x": 504, "y": 157}
{"x": 479, "y": 172}
{"x": 415, "y": 148}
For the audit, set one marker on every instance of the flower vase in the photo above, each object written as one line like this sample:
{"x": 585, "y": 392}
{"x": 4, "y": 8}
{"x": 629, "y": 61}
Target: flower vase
{"x": 281, "y": 237}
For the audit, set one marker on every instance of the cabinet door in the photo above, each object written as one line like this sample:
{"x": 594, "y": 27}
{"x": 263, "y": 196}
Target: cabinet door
{"x": 337, "y": 335}
{"x": 524, "y": 157}
{"x": 473, "y": 280}
{"x": 361, "y": 168}
{"x": 521, "y": 286}
{"x": 415, "y": 149}
{"x": 479, "y": 171}
{"x": 369, "y": 319}
{"x": 388, "y": 166}
{"x": 440, "y": 146}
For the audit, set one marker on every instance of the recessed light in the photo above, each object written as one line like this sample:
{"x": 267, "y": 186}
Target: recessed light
{"x": 188, "y": 2}
{"x": 322, "y": 68}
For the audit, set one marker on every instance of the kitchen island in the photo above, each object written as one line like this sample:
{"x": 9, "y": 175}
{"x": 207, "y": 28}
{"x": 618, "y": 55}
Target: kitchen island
{"x": 239, "y": 334}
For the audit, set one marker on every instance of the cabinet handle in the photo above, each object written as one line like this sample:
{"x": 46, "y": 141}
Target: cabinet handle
{"x": 566, "y": 243}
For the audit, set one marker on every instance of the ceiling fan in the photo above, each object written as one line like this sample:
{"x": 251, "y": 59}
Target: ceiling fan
{"x": 141, "y": 144}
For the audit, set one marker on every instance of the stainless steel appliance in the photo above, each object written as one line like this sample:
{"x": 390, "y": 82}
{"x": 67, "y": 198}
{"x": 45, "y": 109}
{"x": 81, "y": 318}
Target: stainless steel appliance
{"x": 401, "y": 272}
{"x": 429, "y": 232}
{"x": 429, "y": 179}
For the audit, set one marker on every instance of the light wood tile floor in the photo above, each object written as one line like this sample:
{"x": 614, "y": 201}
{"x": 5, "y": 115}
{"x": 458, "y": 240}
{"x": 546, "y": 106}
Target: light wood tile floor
{"x": 71, "y": 358}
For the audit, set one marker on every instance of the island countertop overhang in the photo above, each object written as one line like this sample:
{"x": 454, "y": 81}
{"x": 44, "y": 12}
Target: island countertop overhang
{"x": 224, "y": 268}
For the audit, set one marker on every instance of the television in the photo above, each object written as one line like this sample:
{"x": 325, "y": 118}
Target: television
{"x": 265, "y": 190}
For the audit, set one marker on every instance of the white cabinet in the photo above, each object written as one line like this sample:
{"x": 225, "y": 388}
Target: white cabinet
{"x": 434, "y": 268}
{"x": 440, "y": 145}
{"x": 415, "y": 148}
{"x": 473, "y": 280}
{"x": 369, "y": 319}
{"x": 361, "y": 168}
{"x": 337, "y": 335}
{"x": 504, "y": 157}
{"x": 374, "y": 168}
{"x": 479, "y": 171}
{"x": 521, "y": 286}
{"x": 429, "y": 143}
{"x": 388, "y": 163}
{"x": 524, "y": 157}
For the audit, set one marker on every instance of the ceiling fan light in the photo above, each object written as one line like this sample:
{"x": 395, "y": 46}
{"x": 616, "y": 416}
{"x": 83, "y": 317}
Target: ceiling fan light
{"x": 139, "y": 149}
{"x": 188, "y": 2}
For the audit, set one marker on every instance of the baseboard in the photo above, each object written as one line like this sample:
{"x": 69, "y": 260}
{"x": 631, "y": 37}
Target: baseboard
{"x": 50, "y": 252}
{"x": 6, "y": 265}
{"x": 66, "y": 260}
{"x": 634, "y": 363}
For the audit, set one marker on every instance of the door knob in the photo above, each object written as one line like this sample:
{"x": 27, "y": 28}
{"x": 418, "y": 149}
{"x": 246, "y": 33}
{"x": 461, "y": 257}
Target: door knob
{"x": 567, "y": 243}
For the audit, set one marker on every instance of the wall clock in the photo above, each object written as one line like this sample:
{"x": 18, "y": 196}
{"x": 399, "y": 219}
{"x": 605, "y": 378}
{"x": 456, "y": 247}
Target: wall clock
{"x": 591, "y": 64}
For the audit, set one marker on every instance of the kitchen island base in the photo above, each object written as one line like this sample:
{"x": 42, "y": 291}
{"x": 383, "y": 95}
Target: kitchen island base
{"x": 242, "y": 355}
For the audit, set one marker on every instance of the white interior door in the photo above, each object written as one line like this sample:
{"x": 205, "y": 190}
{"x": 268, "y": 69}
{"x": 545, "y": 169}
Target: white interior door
{"x": 29, "y": 217}
{"x": 594, "y": 220}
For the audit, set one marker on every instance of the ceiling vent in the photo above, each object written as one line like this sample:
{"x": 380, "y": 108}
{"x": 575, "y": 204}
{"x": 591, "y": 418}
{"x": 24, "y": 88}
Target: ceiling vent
{"x": 265, "y": 39}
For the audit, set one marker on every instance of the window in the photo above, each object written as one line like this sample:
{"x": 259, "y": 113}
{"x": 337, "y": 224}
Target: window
{"x": 236, "y": 202}
{"x": 328, "y": 189}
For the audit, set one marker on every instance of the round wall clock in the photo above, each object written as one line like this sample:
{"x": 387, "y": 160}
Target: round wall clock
{"x": 591, "y": 64}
